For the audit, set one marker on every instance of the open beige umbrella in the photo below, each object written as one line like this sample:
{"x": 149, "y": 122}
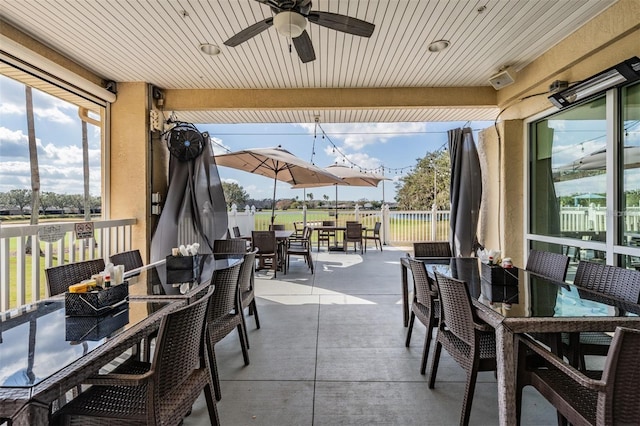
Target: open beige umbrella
{"x": 279, "y": 164}
{"x": 350, "y": 176}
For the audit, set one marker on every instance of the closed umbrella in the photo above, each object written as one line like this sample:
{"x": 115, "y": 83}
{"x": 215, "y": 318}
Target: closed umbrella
{"x": 279, "y": 164}
{"x": 350, "y": 177}
{"x": 466, "y": 191}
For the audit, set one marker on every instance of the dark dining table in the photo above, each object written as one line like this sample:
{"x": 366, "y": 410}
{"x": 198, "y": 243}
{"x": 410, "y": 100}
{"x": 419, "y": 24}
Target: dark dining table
{"x": 523, "y": 302}
{"x": 44, "y": 353}
{"x": 336, "y": 228}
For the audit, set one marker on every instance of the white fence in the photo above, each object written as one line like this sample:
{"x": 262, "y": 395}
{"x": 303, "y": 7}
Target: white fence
{"x": 53, "y": 244}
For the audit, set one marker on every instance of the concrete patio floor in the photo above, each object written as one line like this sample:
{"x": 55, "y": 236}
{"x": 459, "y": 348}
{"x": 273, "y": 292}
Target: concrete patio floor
{"x": 331, "y": 351}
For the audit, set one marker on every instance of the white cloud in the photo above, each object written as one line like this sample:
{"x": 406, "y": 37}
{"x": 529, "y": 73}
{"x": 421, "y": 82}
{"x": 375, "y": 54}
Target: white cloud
{"x": 355, "y": 136}
{"x": 218, "y": 146}
{"x": 9, "y": 108}
{"x": 53, "y": 114}
{"x": 360, "y": 158}
{"x": 8, "y": 135}
{"x": 230, "y": 180}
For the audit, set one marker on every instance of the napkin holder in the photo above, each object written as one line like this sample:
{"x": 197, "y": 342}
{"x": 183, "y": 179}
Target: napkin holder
{"x": 182, "y": 269}
{"x": 94, "y": 328}
{"x": 96, "y": 303}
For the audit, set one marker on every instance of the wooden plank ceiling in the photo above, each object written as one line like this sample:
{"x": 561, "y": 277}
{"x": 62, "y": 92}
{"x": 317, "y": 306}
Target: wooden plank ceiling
{"x": 156, "y": 41}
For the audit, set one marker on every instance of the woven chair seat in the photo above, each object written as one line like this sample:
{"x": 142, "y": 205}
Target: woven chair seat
{"x": 423, "y": 312}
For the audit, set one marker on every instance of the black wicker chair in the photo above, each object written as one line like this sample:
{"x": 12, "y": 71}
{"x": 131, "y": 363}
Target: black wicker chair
{"x": 608, "y": 397}
{"x": 547, "y": 264}
{"x": 130, "y": 259}
{"x": 267, "y": 245}
{"x": 374, "y": 235}
{"x": 353, "y": 234}
{"x": 432, "y": 249}
{"x": 326, "y": 235}
{"x": 425, "y": 307}
{"x": 160, "y": 392}
{"x": 247, "y": 289}
{"x": 301, "y": 247}
{"x": 223, "y": 317}
{"x": 59, "y": 278}
{"x": 469, "y": 341}
{"x": 234, "y": 247}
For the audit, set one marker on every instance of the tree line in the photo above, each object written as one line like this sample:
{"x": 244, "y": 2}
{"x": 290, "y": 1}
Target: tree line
{"x": 49, "y": 201}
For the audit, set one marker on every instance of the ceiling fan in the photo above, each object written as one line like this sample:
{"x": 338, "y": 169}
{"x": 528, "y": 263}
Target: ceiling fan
{"x": 290, "y": 20}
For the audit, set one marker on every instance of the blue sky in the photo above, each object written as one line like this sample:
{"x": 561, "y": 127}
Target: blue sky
{"x": 396, "y": 146}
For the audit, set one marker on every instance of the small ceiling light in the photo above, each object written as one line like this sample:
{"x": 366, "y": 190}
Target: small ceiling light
{"x": 439, "y": 45}
{"x": 209, "y": 49}
{"x": 290, "y": 24}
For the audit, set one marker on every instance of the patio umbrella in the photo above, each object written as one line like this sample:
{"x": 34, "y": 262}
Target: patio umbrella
{"x": 279, "y": 164}
{"x": 350, "y": 177}
{"x": 466, "y": 191}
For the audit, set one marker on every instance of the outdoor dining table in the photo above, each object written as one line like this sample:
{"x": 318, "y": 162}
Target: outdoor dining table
{"x": 44, "y": 353}
{"x": 530, "y": 303}
{"x": 329, "y": 228}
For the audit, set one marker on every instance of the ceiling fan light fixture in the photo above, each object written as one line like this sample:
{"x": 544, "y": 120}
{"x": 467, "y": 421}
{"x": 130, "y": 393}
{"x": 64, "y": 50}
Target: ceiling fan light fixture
{"x": 290, "y": 24}
{"x": 209, "y": 49}
{"x": 438, "y": 45}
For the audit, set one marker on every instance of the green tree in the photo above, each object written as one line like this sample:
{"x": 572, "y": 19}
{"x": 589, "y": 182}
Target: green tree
{"x": 415, "y": 191}
{"x": 234, "y": 194}
{"x": 20, "y": 198}
{"x": 48, "y": 200}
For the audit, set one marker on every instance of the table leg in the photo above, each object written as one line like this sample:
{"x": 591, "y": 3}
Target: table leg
{"x": 405, "y": 294}
{"x": 506, "y": 372}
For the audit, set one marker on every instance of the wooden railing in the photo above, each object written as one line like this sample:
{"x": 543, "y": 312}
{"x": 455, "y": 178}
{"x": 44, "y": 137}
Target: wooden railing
{"x": 52, "y": 244}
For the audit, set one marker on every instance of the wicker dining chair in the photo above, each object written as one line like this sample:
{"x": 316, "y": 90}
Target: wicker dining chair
{"x": 353, "y": 234}
{"x": 267, "y": 245}
{"x": 610, "y": 281}
{"x": 432, "y": 249}
{"x": 373, "y": 235}
{"x": 326, "y": 235}
{"x": 223, "y": 249}
{"x": 276, "y": 227}
{"x": 158, "y": 393}
{"x": 59, "y": 278}
{"x": 247, "y": 289}
{"x": 547, "y": 264}
{"x": 236, "y": 232}
{"x": 425, "y": 307}
{"x": 301, "y": 247}
{"x": 224, "y": 316}
{"x": 469, "y": 341}
{"x": 608, "y": 397}
{"x": 130, "y": 259}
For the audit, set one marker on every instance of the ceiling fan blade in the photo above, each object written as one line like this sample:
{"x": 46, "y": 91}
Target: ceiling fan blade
{"x": 249, "y": 32}
{"x": 304, "y": 47}
{"x": 343, "y": 23}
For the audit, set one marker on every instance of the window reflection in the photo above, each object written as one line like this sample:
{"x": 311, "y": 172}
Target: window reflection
{"x": 630, "y": 158}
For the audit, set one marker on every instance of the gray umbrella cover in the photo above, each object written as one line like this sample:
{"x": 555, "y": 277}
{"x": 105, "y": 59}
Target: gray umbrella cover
{"x": 466, "y": 191}
{"x": 195, "y": 208}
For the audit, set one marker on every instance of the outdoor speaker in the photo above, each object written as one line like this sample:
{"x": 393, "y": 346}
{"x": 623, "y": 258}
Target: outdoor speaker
{"x": 502, "y": 79}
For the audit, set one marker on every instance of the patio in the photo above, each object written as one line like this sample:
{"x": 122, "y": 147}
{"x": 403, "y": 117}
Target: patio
{"x": 331, "y": 351}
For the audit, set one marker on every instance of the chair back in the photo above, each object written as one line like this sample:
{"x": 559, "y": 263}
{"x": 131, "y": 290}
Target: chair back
{"x": 264, "y": 241}
{"x": 223, "y": 248}
{"x": 552, "y": 265}
{"x": 276, "y": 227}
{"x": 236, "y": 232}
{"x": 423, "y": 287}
{"x": 621, "y": 401}
{"x": 376, "y": 228}
{"x": 456, "y": 312}
{"x": 225, "y": 294}
{"x": 179, "y": 347}
{"x": 354, "y": 231}
{"x": 306, "y": 233}
{"x": 246, "y": 270}
{"x": 328, "y": 223}
{"x": 59, "y": 278}
{"x": 130, "y": 259}
{"x": 432, "y": 249}
{"x": 609, "y": 280}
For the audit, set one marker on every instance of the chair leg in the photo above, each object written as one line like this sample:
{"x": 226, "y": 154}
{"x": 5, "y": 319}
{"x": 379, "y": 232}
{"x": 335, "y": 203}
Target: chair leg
{"x": 244, "y": 344}
{"x": 255, "y": 312}
{"x": 244, "y": 329}
{"x": 434, "y": 365}
{"x": 468, "y": 394}
{"x": 425, "y": 350}
{"x": 211, "y": 406}
{"x": 410, "y": 329}
{"x": 213, "y": 366}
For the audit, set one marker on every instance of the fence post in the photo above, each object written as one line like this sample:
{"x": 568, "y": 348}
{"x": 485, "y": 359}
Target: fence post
{"x": 386, "y": 224}
{"x": 304, "y": 215}
{"x": 434, "y": 226}
{"x": 357, "y": 213}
